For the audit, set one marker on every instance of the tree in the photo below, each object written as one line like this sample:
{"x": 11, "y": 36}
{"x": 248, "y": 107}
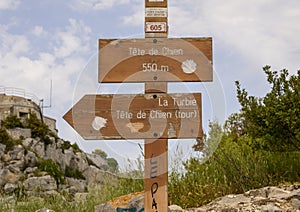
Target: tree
{"x": 113, "y": 165}
{"x": 100, "y": 152}
{"x": 209, "y": 143}
{"x": 273, "y": 120}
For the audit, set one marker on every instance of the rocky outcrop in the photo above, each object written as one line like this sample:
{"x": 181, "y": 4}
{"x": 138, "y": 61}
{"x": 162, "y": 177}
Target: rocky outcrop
{"x": 19, "y": 166}
{"x": 267, "y": 199}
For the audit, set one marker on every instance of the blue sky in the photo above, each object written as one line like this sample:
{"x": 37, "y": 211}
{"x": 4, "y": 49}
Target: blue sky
{"x": 56, "y": 40}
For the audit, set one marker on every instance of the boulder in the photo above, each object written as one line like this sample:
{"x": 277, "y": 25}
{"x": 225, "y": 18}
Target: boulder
{"x": 77, "y": 185}
{"x": 45, "y": 183}
{"x": 10, "y": 187}
{"x": 29, "y": 142}
{"x": 16, "y": 166}
{"x": 93, "y": 175}
{"x": 97, "y": 160}
{"x": 30, "y": 159}
{"x": 79, "y": 161}
{"x": 17, "y": 153}
{"x": 39, "y": 148}
{"x": 6, "y": 176}
{"x": 104, "y": 208}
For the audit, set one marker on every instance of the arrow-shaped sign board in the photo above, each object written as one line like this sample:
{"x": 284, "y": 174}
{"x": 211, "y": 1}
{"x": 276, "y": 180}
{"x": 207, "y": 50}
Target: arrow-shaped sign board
{"x": 142, "y": 116}
{"x": 155, "y": 60}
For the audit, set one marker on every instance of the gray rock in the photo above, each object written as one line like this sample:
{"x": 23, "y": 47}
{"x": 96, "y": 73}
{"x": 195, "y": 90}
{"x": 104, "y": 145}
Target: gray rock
{"x": 97, "y": 160}
{"x": 30, "y": 159}
{"x": 137, "y": 202}
{"x": 175, "y": 208}
{"x": 79, "y": 161}
{"x": 77, "y": 185}
{"x": 39, "y": 148}
{"x": 45, "y": 183}
{"x": 30, "y": 170}
{"x": 17, "y": 153}
{"x": 29, "y": 142}
{"x": 6, "y": 176}
{"x": 104, "y": 208}
{"x": 277, "y": 193}
{"x": 16, "y": 166}
{"x": 295, "y": 203}
{"x": 270, "y": 208}
{"x": 2, "y": 149}
{"x": 267, "y": 199}
{"x": 93, "y": 175}
{"x": 10, "y": 187}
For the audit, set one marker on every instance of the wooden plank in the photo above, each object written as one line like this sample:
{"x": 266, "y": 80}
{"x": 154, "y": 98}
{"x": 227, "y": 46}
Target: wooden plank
{"x": 155, "y": 60}
{"x": 156, "y": 3}
{"x": 156, "y": 87}
{"x": 139, "y": 116}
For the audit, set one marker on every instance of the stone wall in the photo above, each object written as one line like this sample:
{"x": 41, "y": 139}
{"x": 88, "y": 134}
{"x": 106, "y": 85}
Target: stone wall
{"x": 17, "y": 133}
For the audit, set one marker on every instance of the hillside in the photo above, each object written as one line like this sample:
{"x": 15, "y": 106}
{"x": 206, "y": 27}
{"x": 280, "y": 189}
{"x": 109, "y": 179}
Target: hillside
{"x": 33, "y": 160}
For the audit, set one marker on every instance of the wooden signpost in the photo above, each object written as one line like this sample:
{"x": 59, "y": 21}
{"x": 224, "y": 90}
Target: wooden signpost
{"x": 155, "y": 116}
{"x": 142, "y": 116}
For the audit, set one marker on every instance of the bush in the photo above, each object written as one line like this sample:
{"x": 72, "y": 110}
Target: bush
{"x": 67, "y": 145}
{"x": 38, "y": 129}
{"x": 12, "y": 122}
{"x": 233, "y": 168}
{"x": 8, "y": 141}
{"x": 73, "y": 173}
{"x": 53, "y": 169}
{"x": 274, "y": 119}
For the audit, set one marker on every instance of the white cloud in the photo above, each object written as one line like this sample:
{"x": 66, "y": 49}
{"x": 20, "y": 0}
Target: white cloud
{"x": 62, "y": 64}
{"x": 9, "y": 4}
{"x": 73, "y": 40}
{"x": 13, "y": 44}
{"x": 137, "y": 16}
{"x": 39, "y": 31}
{"x": 96, "y": 4}
{"x": 261, "y": 31}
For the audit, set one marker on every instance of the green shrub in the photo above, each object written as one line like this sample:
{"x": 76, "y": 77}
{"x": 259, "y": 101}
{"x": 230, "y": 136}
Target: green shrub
{"x": 7, "y": 140}
{"x": 38, "y": 129}
{"x": 73, "y": 173}
{"x": 67, "y": 145}
{"x": 235, "y": 167}
{"x": 113, "y": 165}
{"x": 53, "y": 169}
{"x": 12, "y": 122}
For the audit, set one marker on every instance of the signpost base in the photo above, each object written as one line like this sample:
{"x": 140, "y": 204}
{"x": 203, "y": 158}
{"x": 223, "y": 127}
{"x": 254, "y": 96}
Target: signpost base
{"x": 156, "y": 175}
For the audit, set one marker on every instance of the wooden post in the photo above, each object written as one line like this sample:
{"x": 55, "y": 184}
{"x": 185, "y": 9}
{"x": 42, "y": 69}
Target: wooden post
{"x": 156, "y": 151}
{"x": 156, "y": 167}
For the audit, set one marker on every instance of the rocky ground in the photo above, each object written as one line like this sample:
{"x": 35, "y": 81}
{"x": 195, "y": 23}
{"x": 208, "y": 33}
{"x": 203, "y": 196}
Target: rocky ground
{"x": 268, "y": 199}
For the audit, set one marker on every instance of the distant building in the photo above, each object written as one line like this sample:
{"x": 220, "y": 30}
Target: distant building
{"x": 17, "y": 102}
